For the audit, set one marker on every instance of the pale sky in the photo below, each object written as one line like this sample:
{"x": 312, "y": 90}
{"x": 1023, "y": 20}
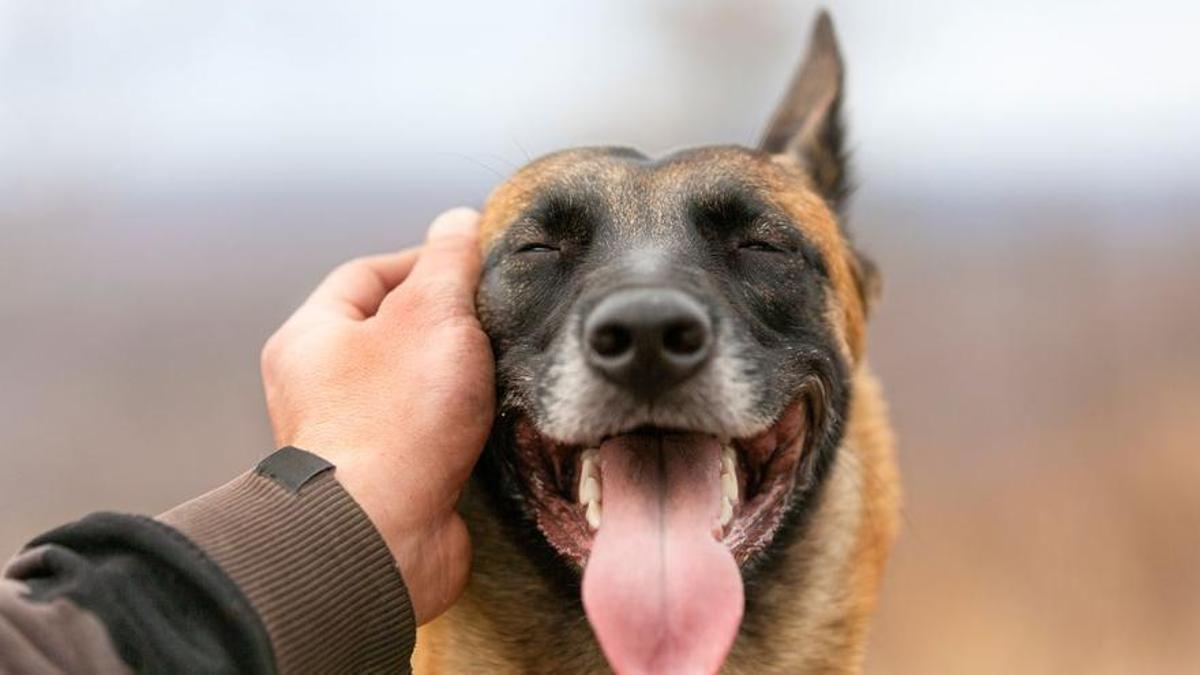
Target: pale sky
{"x": 143, "y": 94}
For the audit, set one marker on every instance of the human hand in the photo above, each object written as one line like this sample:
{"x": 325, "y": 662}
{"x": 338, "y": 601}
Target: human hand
{"x": 386, "y": 372}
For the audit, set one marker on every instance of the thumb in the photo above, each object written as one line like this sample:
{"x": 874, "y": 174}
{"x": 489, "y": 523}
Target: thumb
{"x": 449, "y": 264}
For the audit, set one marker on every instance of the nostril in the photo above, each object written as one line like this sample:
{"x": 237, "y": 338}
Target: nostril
{"x": 685, "y": 337}
{"x": 647, "y": 340}
{"x": 611, "y": 340}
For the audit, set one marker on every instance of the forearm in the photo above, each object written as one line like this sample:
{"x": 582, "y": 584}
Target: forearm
{"x": 277, "y": 570}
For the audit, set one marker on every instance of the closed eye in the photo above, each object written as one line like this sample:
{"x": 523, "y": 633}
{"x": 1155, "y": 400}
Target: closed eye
{"x": 759, "y": 245}
{"x": 536, "y": 247}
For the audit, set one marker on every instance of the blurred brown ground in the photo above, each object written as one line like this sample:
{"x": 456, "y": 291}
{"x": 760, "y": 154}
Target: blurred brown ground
{"x": 1045, "y": 381}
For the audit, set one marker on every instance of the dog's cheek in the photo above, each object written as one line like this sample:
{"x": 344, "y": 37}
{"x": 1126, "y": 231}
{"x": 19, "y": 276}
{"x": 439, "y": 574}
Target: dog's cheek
{"x": 789, "y": 333}
{"x": 778, "y": 303}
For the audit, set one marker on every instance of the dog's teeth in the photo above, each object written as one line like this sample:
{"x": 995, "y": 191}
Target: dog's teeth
{"x": 589, "y": 490}
{"x": 728, "y": 460}
{"x": 589, "y": 486}
{"x": 589, "y": 465}
{"x": 729, "y": 482}
{"x": 729, "y": 486}
{"x": 593, "y": 515}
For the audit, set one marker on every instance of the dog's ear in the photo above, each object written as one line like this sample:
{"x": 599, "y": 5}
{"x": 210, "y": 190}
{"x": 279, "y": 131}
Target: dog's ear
{"x": 866, "y": 279}
{"x": 808, "y": 123}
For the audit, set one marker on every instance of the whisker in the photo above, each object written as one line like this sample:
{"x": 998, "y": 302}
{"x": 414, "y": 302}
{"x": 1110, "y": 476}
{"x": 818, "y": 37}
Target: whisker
{"x": 476, "y": 162}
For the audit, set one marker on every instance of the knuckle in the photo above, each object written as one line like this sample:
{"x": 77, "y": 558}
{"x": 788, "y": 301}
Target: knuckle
{"x": 357, "y": 270}
{"x": 354, "y": 265}
{"x": 269, "y": 356}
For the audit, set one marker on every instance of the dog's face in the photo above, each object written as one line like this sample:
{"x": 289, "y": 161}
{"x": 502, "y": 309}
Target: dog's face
{"x": 674, "y": 339}
{"x": 706, "y": 293}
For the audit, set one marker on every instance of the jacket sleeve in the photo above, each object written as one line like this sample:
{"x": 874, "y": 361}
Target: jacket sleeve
{"x": 278, "y": 570}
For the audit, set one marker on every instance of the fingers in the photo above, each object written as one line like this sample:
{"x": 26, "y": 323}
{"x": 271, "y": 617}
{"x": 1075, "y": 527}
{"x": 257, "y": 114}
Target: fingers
{"x": 447, "y": 267}
{"x": 355, "y": 289}
{"x": 450, "y": 262}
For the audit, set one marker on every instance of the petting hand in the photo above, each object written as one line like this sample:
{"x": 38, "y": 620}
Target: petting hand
{"x": 386, "y": 372}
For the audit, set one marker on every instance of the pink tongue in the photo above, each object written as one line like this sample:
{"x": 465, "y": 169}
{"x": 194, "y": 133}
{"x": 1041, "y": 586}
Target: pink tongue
{"x": 662, "y": 594}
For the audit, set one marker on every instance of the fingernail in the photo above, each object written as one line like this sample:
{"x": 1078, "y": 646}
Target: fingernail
{"x": 455, "y": 222}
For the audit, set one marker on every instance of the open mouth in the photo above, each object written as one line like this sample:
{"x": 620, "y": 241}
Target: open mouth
{"x": 743, "y": 485}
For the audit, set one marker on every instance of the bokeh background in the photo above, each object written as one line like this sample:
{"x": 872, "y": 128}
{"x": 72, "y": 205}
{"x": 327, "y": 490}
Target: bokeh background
{"x": 174, "y": 177}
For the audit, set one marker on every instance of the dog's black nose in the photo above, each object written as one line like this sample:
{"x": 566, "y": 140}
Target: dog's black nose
{"x": 648, "y": 340}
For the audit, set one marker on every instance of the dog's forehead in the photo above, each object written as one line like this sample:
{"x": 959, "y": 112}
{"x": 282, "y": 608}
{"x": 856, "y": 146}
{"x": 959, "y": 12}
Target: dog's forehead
{"x": 631, "y": 186}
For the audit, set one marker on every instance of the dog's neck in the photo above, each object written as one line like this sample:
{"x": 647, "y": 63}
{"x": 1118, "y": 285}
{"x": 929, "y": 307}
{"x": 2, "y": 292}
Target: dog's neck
{"x": 808, "y": 613}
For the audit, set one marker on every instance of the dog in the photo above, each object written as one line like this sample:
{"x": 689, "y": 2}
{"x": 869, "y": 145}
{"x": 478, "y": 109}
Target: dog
{"x": 692, "y": 467}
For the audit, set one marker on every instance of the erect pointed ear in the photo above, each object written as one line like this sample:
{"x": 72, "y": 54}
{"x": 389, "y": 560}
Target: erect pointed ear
{"x": 808, "y": 123}
{"x": 866, "y": 279}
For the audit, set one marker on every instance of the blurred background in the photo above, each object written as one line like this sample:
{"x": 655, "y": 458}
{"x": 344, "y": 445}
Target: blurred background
{"x": 174, "y": 178}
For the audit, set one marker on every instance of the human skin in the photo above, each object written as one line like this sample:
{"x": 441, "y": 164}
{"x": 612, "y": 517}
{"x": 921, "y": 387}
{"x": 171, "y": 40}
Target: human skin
{"x": 385, "y": 372}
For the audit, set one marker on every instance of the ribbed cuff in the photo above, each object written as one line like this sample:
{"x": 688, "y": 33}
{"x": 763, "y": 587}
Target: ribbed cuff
{"x": 311, "y": 563}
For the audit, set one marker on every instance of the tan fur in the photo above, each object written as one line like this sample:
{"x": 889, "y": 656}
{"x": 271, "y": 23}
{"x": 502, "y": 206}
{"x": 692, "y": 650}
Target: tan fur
{"x": 812, "y": 615}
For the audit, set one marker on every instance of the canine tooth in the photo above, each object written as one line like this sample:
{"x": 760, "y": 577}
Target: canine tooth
{"x": 729, "y": 486}
{"x": 593, "y": 515}
{"x": 728, "y": 460}
{"x": 726, "y": 511}
{"x": 589, "y": 490}
{"x": 589, "y": 461}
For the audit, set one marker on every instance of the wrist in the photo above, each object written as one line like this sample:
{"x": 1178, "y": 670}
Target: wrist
{"x": 425, "y": 536}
